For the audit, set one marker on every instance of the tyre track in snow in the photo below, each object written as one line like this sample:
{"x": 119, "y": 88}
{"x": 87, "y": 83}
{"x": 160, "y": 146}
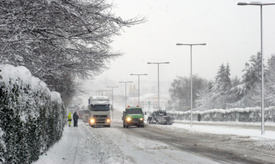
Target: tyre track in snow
{"x": 221, "y": 148}
{"x": 102, "y": 146}
{"x": 154, "y": 150}
{"x": 130, "y": 149}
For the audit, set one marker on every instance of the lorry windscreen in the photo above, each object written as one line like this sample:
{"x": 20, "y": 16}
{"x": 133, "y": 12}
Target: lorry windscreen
{"x": 103, "y": 107}
{"x": 134, "y": 111}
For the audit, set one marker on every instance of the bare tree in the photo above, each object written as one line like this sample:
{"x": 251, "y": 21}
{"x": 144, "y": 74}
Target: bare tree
{"x": 59, "y": 40}
{"x": 180, "y": 92}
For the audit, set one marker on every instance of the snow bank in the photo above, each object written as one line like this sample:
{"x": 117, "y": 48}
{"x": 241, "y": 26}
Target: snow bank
{"x": 251, "y": 114}
{"x": 56, "y": 97}
{"x": 31, "y": 117}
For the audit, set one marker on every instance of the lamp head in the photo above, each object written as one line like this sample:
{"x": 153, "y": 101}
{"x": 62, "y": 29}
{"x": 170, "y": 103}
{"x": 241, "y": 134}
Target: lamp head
{"x": 242, "y": 3}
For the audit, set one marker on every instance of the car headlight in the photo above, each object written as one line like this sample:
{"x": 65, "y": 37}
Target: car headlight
{"x": 141, "y": 119}
{"x": 108, "y": 120}
{"x": 128, "y": 119}
{"x": 92, "y": 120}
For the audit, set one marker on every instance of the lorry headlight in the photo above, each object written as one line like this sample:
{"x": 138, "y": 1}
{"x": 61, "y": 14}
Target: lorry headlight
{"x": 141, "y": 119}
{"x": 128, "y": 119}
{"x": 108, "y": 120}
{"x": 92, "y": 120}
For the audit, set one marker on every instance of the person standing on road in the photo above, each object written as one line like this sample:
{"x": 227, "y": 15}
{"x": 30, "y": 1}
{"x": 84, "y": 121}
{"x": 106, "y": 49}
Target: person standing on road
{"x": 75, "y": 117}
{"x": 70, "y": 118}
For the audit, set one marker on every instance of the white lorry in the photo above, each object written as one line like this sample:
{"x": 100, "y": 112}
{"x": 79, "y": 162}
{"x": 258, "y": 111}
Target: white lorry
{"x": 99, "y": 108}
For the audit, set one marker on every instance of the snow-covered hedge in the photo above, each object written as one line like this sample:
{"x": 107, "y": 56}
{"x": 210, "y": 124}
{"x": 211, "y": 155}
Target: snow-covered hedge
{"x": 235, "y": 114}
{"x": 31, "y": 117}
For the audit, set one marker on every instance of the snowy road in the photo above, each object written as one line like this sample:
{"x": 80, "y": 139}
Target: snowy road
{"x": 85, "y": 144}
{"x": 141, "y": 145}
{"x": 219, "y": 148}
{"x": 155, "y": 144}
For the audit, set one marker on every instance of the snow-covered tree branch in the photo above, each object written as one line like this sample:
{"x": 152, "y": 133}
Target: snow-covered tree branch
{"x": 59, "y": 39}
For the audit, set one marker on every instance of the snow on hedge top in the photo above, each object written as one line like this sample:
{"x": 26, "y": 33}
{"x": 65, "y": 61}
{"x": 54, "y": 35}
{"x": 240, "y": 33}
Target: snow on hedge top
{"x": 55, "y": 96}
{"x": 12, "y": 75}
{"x": 224, "y": 111}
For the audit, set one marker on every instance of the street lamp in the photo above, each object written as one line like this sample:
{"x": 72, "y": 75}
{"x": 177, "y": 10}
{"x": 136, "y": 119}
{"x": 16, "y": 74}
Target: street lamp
{"x": 191, "y": 76}
{"x": 262, "y": 88}
{"x": 112, "y": 99}
{"x": 125, "y": 82}
{"x": 158, "y": 63}
{"x": 138, "y": 85}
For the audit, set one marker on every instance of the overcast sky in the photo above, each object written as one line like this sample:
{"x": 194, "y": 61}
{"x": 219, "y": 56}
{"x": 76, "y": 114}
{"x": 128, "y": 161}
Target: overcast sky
{"x": 231, "y": 32}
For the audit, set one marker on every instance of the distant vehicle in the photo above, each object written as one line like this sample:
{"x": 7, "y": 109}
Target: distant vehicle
{"x": 133, "y": 116}
{"x": 99, "y": 111}
{"x": 84, "y": 115}
{"x": 160, "y": 117}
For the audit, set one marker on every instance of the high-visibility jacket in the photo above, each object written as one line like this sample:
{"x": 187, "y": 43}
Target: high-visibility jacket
{"x": 70, "y": 116}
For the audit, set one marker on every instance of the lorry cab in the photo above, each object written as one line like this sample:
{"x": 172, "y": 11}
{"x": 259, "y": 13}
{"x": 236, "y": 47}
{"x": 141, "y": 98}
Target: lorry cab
{"x": 133, "y": 116}
{"x": 99, "y": 108}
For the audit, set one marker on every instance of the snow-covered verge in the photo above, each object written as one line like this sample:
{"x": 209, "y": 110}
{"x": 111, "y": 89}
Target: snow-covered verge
{"x": 31, "y": 117}
{"x": 235, "y": 114}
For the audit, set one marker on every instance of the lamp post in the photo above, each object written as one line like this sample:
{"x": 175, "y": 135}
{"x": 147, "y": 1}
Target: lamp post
{"x": 262, "y": 76}
{"x": 112, "y": 99}
{"x": 138, "y": 85}
{"x": 158, "y": 63}
{"x": 125, "y": 82}
{"x": 191, "y": 76}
